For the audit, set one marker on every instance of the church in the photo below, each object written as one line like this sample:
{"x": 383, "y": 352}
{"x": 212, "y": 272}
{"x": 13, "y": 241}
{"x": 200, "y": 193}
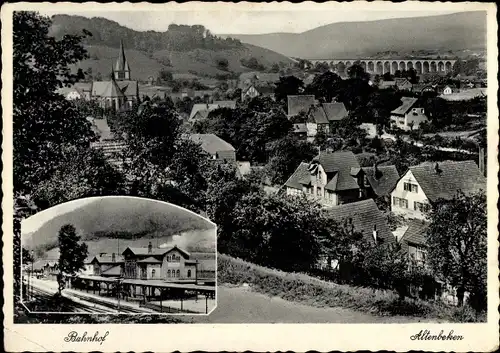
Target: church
{"x": 120, "y": 92}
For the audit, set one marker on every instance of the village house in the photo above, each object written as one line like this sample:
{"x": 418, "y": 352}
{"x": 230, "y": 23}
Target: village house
{"x": 120, "y": 92}
{"x": 44, "y": 268}
{"x": 299, "y": 104}
{"x": 171, "y": 264}
{"x": 201, "y": 110}
{"x": 413, "y": 242}
{"x": 425, "y": 184}
{"x": 317, "y": 117}
{"x": 408, "y": 115}
{"x": 379, "y": 181}
{"x": 215, "y": 147}
{"x": 80, "y": 90}
{"x": 403, "y": 84}
{"x": 332, "y": 178}
{"x": 365, "y": 218}
{"x": 387, "y": 84}
{"x": 253, "y": 91}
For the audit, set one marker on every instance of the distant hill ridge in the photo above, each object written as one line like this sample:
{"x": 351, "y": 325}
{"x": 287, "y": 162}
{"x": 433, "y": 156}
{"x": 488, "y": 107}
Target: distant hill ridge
{"x": 181, "y": 49}
{"x": 458, "y": 31}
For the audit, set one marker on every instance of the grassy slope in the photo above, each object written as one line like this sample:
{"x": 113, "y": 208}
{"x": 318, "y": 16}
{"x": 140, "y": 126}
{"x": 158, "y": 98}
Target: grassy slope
{"x": 198, "y": 62}
{"x": 308, "y": 290}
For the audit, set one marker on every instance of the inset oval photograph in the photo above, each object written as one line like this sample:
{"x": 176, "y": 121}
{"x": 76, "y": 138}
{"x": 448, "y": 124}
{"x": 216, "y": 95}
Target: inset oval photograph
{"x": 119, "y": 255}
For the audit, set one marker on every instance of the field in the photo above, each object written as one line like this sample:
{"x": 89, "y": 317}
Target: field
{"x": 465, "y": 94}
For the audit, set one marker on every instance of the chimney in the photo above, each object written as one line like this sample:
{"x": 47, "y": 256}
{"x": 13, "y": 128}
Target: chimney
{"x": 113, "y": 257}
{"x": 150, "y": 248}
{"x": 375, "y": 233}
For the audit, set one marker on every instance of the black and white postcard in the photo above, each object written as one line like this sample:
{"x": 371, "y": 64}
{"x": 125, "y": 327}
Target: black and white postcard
{"x": 250, "y": 176}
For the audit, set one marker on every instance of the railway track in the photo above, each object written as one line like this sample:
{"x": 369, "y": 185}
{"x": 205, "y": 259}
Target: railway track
{"x": 85, "y": 304}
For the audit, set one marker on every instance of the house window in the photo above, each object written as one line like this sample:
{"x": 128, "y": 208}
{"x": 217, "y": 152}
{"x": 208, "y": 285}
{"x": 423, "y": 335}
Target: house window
{"x": 403, "y": 203}
{"x": 318, "y": 192}
{"x": 410, "y": 187}
{"x": 153, "y": 273}
{"x": 121, "y": 74}
{"x": 178, "y": 273}
{"x": 318, "y": 177}
{"x": 168, "y": 273}
{"x": 420, "y": 206}
{"x": 189, "y": 274}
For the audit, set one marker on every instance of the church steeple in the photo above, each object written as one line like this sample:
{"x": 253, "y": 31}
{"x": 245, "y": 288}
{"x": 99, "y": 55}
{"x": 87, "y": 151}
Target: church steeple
{"x": 122, "y": 69}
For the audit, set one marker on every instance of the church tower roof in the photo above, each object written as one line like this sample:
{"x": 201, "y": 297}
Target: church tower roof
{"x": 122, "y": 63}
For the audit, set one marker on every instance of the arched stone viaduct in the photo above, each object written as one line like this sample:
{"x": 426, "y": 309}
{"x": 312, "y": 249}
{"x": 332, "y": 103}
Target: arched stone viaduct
{"x": 381, "y": 66}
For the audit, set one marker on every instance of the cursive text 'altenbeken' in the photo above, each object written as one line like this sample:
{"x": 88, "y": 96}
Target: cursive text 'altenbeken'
{"x": 425, "y": 335}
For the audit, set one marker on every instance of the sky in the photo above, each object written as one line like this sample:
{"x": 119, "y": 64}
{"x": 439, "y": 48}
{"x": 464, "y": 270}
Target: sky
{"x": 234, "y": 19}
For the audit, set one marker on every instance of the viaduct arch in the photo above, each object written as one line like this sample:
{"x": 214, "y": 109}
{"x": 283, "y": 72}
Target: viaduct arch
{"x": 381, "y": 66}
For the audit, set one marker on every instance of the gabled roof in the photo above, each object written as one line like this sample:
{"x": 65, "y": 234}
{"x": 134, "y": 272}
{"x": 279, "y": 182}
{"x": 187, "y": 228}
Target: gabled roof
{"x": 108, "y": 259}
{"x": 384, "y": 181}
{"x": 300, "y": 173}
{"x": 144, "y": 251}
{"x": 41, "y": 264}
{"x": 415, "y": 234}
{"x": 452, "y": 176}
{"x": 339, "y": 163}
{"x": 106, "y": 89}
{"x": 402, "y": 81}
{"x": 112, "y": 271}
{"x": 202, "y": 106}
{"x": 211, "y": 143}
{"x": 121, "y": 62}
{"x": 365, "y": 215}
{"x": 385, "y": 84}
{"x": 317, "y": 115}
{"x": 297, "y": 104}
{"x": 335, "y": 111}
{"x": 406, "y": 104}
{"x": 150, "y": 260}
{"x": 225, "y": 104}
{"x": 128, "y": 87}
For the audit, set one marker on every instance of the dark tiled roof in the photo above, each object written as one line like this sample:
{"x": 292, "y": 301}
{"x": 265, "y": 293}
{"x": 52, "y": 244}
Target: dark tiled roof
{"x": 341, "y": 164}
{"x": 365, "y": 215}
{"x": 145, "y": 252}
{"x": 150, "y": 260}
{"x": 211, "y": 143}
{"x": 200, "y": 107}
{"x": 300, "y": 173}
{"x": 226, "y": 104}
{"x": 112, "y": 271}
{"x": 129, "y": 88}
{"x": 407, "y": 104}
{"x": 108, "y": 259}
{"x": 297, "y": 104}
{"x": 317, "y": 115}
{"x": 453, "y": 176}
{"x": 415, "y": 234}
{"x": 385, "y": 180}
{"x": 335, "y": 111}
{"x": 109, "y": 89}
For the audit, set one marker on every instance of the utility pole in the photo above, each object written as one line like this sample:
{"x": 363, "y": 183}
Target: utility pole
{"x": 32, "y": 260}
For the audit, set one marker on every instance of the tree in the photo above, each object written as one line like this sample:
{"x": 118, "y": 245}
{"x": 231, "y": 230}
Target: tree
{"x": 275, "y": 68}
{"x": 285, "y": 156}
{"x": 457, "y": 243}
{"x": 222, "y": 64}
{"x": 72, "y": 254}
{"x": 326, "y": 86}
{"x": 166, "y": 76}
{"x": 287, "y": 86}
{"x": 356, "y": 71}
{"x": 387, "y": 76}
{"x": 44, "y": 122}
